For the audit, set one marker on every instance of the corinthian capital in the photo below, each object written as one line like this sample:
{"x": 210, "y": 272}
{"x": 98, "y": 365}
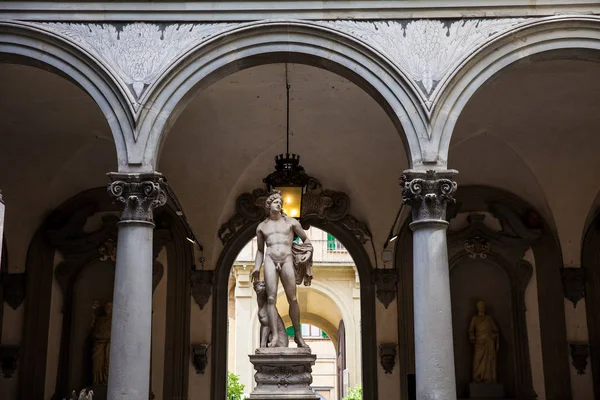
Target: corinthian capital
{"x": 138, "y": 194}
{"x": 428, "y": 193}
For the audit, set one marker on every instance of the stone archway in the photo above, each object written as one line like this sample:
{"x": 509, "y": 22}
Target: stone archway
{"x": 548, "y": 259}
{"x": 590, "y": 260}
{"x": 22, "y": 43}
{"x": 530, "y": 38}
{"x": 63, "y": 231}
{"x": 322, "y": 208}
{"x": 267, "y": 42}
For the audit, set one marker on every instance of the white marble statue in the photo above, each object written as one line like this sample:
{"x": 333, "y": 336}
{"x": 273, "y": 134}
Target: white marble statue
{"x": 285, "y": 260}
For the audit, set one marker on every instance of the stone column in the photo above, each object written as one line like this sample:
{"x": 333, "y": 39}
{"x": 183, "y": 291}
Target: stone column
{"x": 244, "y": 334}
{"x": 428, "y": 193}
{"x": 129, "y": 373}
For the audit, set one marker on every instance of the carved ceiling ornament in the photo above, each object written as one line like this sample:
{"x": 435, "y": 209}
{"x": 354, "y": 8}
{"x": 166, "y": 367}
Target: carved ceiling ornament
{"x": 137, "y": 52}
{"x": 323, "y": 204}
{"x": 426, "y": 50}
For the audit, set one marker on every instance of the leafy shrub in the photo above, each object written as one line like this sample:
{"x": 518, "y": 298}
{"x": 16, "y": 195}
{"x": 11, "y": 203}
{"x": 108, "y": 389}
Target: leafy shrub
{"x": 354, "y": 394}
{"x": 235, "y": 390}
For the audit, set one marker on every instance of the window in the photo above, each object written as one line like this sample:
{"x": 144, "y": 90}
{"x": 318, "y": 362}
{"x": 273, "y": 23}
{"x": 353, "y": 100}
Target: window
{"x": 333, "y": 244}
{"x": 308, "y": 331}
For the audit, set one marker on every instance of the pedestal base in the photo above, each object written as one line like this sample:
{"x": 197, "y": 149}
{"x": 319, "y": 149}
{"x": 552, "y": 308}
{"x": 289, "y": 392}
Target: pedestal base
{"x": 283, "y": 374}
{"x": 486, "y": 391}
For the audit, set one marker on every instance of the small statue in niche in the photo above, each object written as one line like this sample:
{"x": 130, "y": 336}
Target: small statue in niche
{"x": 101, "y": 345}
{"x": 263, "y": 318}
{"x": 484, "y": 336}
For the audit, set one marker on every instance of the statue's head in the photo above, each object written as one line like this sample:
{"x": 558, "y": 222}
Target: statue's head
{"x": 274, "y": 202}
{"x": 108, "y": 307}
{"x": 259, "y": 287}
{"x": 480, "y": 306}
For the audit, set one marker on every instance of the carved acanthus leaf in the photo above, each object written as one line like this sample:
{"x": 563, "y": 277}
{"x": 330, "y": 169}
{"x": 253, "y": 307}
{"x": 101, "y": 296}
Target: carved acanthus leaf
{"x": 426, "y": 50}
{"x": 138, "y": 52}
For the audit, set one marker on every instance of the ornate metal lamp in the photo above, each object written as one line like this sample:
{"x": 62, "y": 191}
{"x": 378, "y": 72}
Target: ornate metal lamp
{"x": 289, "y": 176}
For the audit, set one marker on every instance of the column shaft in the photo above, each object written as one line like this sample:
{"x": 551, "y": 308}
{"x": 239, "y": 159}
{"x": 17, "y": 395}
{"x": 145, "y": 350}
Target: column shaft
{"x": 132, "y": 313}
{"x": 428, "y": 193}
{"x": 434, "y": 349}
{"x": 131, "y": 331}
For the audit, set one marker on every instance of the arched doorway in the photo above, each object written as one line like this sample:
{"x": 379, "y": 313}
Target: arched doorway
{"x": 352, "y": 234}
{"x": 332, "y": 300}
{"x": 508, "y": 210}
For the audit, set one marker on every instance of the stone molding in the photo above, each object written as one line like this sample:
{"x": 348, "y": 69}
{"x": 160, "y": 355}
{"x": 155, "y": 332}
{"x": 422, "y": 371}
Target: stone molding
{"x": 200, "y": 357}
{"x": 232, "y": 10}
{"x": 574, "y": 280}
{"x": 428, "y": 193}
{"x": 9, "y": 359}
{"x": 137, "y": 194}
{"x": 14, "y": 286}
{"x": 283, "y": 373}
{"x": 387, "y": 353}
{"x": 317, "y": 203}
{"x": 579, "y": 355}
{"x": 201, "y": 282}
{"x": 386, "y": 281}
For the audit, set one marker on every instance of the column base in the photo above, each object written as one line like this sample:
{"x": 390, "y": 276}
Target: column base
{"x": 283, "y": 374}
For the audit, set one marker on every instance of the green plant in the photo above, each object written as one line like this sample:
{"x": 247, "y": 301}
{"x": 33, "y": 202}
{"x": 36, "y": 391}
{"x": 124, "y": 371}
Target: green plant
{"x": 235, "y": 390}
{"x": 354, "y": 394}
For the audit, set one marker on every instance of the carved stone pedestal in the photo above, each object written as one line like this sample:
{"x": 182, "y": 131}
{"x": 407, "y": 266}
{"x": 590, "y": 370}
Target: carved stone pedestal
{"x": 283, "y": 374}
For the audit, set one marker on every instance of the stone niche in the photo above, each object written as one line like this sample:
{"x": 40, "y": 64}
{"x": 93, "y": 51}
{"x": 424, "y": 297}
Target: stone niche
{"x": 487, "y": 264}
{"x": 470, "y": 281}
{"x": 92, "y": 289}
{"x": 86, "y": 279}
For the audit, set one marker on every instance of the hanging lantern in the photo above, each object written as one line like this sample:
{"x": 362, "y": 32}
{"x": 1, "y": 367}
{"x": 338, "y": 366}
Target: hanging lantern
{"x": 289, "y": 176}
{"x": 291, "y": 180}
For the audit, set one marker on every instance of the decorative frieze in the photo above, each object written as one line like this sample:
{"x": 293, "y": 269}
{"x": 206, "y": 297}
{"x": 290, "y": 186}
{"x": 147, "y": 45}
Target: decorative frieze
{"x": 137, "y": 194}
{"x": 138, "y": 53}
{"x": 426, "y": 50}
{"x": 428, "y": 193}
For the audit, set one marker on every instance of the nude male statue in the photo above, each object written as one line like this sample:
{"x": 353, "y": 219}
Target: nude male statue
{"x": 292, "y": 266}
